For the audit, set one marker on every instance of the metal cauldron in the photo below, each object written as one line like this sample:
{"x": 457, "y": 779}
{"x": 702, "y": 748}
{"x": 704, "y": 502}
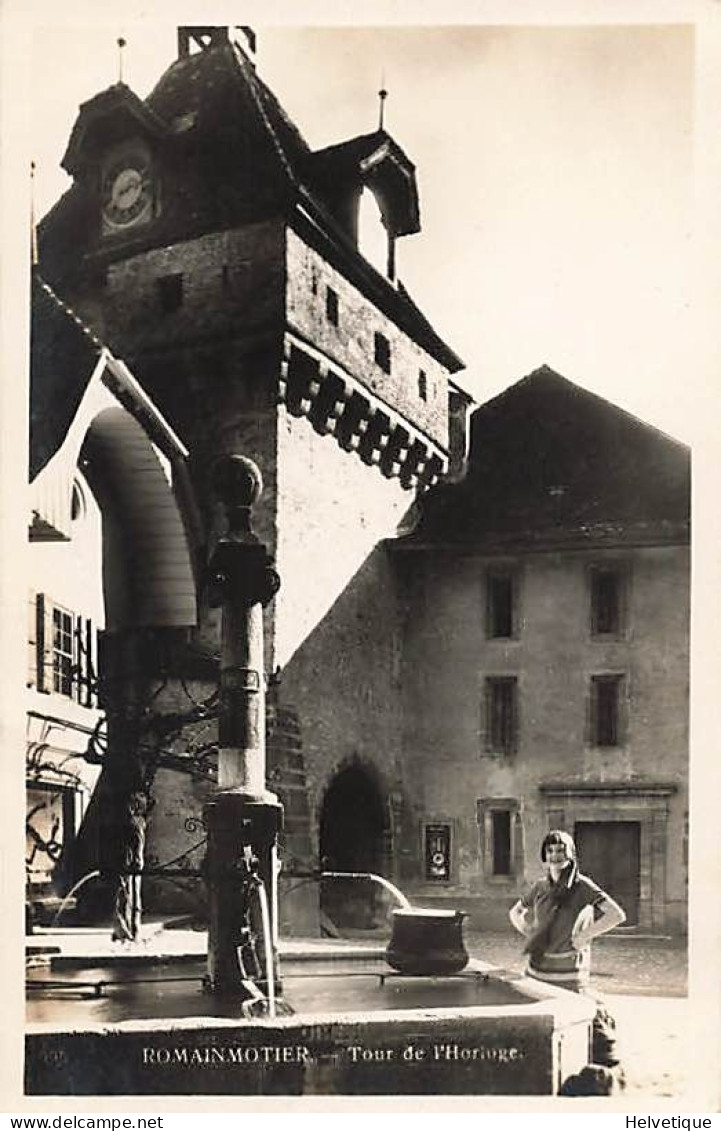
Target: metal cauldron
{"x": 426, "y": 940}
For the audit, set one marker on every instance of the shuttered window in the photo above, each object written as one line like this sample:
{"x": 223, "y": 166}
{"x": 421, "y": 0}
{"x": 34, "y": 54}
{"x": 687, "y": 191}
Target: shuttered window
{"x": 63, "y": 652}
{"x": 609, "y": 585}
{"x": 501, "y": 708}
{"x": 607, "y": 716}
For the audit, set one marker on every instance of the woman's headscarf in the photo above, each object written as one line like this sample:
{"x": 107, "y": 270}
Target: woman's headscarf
{"x": 559, "y": 836}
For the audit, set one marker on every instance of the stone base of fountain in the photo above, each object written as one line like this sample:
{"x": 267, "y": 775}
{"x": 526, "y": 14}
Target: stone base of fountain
{"x": 358, "y": 1029}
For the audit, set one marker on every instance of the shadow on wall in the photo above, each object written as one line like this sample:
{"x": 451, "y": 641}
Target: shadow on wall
{"x": 342, "y": 779}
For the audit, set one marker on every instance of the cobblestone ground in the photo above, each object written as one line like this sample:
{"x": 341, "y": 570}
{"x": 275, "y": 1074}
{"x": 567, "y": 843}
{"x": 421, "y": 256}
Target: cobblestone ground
{"x": 643, "y": 982}
{"x": 622, "y": 964}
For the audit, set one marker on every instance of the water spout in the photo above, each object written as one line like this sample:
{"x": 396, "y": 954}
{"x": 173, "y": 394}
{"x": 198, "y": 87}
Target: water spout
{"x": 267, "y": 947}
{"x": 394, "y": 891}
{"x": 76, "y": 887}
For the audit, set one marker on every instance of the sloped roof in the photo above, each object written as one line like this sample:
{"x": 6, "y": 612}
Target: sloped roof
{"x": 551, "y": 462}
{"x": 374, "y": 158}
{"x": 118, "y": 98}
{"x": 218, "y": 116}
{"x": 220, "y": 85}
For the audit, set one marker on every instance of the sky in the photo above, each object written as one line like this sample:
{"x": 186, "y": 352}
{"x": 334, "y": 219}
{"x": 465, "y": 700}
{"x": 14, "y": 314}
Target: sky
{"x": 555, "y": 170}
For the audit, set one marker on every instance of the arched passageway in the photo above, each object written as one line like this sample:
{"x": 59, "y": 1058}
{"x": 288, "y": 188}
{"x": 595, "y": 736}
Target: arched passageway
{"x": 352, "y": 838}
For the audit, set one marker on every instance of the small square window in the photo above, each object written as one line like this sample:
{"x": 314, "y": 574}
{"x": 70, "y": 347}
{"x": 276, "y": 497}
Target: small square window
{"x": 235, "y": 278}
{"x": 331, "y": 306}
{"x": 422, "y": 385}
{"x": 382, "y": 352}
{"x": 606, "y": 710}
{"x": 501, "y": 702}
{"x": 170, "y": 292}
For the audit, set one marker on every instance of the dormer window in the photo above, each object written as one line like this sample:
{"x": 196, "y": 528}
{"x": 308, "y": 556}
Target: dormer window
{"x": 369, "y": 185}
{"x": 372, "y": 233}
{"x": 422, "y": 384}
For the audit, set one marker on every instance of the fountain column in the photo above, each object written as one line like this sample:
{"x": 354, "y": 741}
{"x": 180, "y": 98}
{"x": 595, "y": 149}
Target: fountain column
{"x": 243, "y": 818}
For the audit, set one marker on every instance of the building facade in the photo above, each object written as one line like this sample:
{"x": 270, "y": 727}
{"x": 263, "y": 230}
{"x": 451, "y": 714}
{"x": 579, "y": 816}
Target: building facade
{"x": 547, "y": 616}
{"x": 453, "y": 659}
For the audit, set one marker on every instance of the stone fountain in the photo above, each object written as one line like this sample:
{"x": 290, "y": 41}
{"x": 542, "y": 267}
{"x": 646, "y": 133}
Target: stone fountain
{"x": 334, "y": 1019}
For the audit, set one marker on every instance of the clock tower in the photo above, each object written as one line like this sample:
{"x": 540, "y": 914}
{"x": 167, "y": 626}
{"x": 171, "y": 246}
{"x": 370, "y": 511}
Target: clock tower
{"x": 220, "y": 257}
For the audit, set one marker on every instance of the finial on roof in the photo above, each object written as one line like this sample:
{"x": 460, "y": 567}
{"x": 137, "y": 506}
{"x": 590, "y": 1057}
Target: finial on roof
{"x": 121, "y": 44}
{"x": 382, "y": 95}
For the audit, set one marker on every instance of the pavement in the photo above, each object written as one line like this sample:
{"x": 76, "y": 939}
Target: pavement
{"x": 642, "y": 981}
{"x": 622, "y": 963}
{"x": 643, "y": 984}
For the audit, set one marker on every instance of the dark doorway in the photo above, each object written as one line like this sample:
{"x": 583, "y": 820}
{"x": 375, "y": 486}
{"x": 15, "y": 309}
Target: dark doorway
{"x": 351, "y": 840}
{"x": 610, "y": 853}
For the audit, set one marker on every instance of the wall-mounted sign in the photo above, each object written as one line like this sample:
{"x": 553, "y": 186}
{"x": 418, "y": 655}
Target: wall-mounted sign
{"x": 438, "y": 852}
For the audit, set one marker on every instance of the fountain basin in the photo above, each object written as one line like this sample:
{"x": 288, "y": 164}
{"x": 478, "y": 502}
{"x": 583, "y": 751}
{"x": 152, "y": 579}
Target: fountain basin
{"x": 358, "y": 1028}
{"x": 427, "y": 941}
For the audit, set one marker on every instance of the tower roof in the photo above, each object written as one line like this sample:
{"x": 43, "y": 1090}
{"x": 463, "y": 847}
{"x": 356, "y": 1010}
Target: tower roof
{"x": 219, "y": 127}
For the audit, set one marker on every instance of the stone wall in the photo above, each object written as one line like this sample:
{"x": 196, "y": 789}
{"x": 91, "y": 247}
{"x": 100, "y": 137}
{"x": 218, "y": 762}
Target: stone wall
{"x": 231, "y": 284}
{"x": 351, "y": 342}
{"x": 446, "y": 659}
{"x": 336, "y": 614}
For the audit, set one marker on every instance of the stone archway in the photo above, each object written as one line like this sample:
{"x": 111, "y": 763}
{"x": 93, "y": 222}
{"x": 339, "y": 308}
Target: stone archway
{"x": 353, "y": 836}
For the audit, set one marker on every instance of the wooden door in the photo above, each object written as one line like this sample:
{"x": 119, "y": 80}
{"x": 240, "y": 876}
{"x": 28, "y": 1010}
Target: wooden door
{"x": 609, "y": 852}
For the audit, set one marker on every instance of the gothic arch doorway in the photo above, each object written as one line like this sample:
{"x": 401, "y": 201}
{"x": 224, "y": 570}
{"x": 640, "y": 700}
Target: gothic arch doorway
{"x": 353, "y": 837}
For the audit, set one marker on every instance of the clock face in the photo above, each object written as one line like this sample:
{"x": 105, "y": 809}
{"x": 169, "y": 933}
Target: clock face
{"x": 127, "y": 193}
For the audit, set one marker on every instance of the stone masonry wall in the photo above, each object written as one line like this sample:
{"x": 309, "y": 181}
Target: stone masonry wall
{"x": 446, "y": 659}
{"x": 351, "y": 342}
{"x": 231, "y": 283}
{"x": 336, "y": 614}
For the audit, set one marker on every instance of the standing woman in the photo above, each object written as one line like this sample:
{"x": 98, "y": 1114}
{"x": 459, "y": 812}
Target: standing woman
{"x": 560, "y": 914}
{"x": 558, "y": 917}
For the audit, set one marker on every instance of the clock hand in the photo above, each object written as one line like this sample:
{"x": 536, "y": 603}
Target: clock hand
{"x": 129, "y": 192}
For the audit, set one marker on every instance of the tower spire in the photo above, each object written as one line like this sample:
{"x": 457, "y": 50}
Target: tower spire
{"x": 121, "y": 44}
{"x": 382, "y": 95}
